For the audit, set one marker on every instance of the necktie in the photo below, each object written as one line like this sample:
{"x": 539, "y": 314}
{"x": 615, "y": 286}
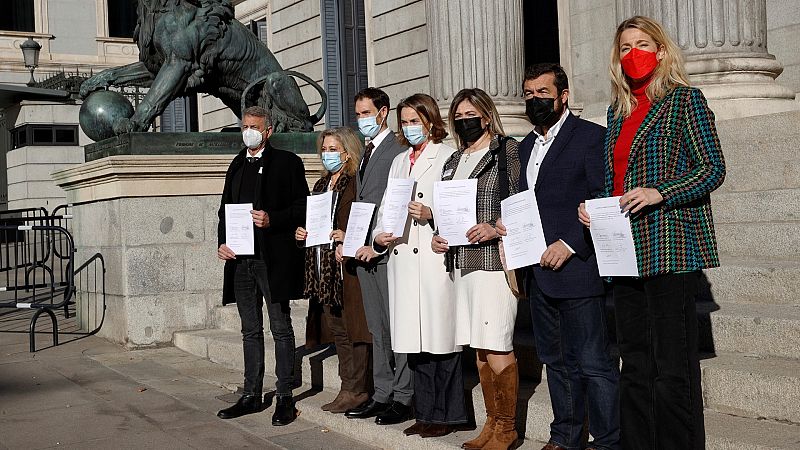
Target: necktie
{"x": 252, "y": 159}
{"x": 365, "y": 160}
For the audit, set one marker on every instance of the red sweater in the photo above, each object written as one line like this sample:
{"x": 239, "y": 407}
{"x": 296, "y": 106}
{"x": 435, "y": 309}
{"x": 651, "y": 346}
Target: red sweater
{"x": 622, "y": 148}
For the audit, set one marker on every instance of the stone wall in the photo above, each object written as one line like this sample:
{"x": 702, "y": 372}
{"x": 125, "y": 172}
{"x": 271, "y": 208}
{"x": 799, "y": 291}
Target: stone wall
{"x": 29, "y": 169}
{"x": 397, "y": 45}
{"x": 162, "y": 271}
{"x": 783, "y": 28}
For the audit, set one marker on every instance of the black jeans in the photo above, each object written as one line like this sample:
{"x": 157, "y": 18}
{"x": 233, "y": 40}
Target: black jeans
{"x": 661, "y": 404}
{"x": 572, "y": 342}
{"x": 251, "y": 288}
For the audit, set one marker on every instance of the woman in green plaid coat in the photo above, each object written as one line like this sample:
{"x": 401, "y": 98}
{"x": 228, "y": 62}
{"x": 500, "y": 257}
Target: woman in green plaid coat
{"x": 663, "y": 159}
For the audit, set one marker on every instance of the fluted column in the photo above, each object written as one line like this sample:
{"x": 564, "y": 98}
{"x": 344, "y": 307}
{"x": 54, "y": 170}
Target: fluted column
{"x": 724, "y": 42}
{"x": 478, "y": 43}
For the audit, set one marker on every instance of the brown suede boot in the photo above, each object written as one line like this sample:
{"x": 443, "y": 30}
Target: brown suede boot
{"x": 488, "y": 388}
{"x": 506, "y": 388}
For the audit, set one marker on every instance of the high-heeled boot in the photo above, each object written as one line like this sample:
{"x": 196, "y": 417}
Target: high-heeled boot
{"x": 506, "y": 388}
{"x": 488, "y": 387}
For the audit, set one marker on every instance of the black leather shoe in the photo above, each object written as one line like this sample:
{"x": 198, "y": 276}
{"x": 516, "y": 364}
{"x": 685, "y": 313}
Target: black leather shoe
{"x": 368, "y": 409}
{"x": 397, "y": 413}
{"x": 247, "y": 404}
{"x": 285, "y": 412}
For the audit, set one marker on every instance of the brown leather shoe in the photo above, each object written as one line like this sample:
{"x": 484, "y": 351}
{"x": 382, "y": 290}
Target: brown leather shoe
{"x": 436, "y": 430}
{"x": 349, "y": 401}
{"x": 334, "y": 402}
{"x": 551, "y": 446}
{"x": 417, "y": 428}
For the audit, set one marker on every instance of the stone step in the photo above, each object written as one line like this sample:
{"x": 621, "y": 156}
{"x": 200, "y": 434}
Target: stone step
{"x": 227, "y": 318}
{"x": 736, "y": 133}
{"x": 761, "y": 175}
{"x": 780, "y": 240}
{"x": 736, "y": 383}
{"x": 779, "y": 205}
{"x": 534, "y": 414}
{"x": 753, "y": 386}
{"x": 723, "y": 431}
{"x": 769, "y": 330}
{"x": 753, "y": 280}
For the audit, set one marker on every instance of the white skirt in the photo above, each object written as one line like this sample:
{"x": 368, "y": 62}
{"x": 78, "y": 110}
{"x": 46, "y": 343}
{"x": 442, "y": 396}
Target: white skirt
{"x": 486, "y": 310}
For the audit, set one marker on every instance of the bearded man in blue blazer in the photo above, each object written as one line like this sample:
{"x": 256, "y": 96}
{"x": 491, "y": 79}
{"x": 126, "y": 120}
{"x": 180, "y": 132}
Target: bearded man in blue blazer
{"x": 562, "y": 161}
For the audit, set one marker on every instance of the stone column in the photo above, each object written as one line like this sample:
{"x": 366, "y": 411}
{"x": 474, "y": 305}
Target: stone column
{"x": 475, "y": 43}
{"x": 725, "y": 46}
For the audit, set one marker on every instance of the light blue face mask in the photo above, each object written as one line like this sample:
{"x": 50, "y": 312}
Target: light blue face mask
{"x": 415, "y": 134}
{"x": 368, "y": 126}
{"x": 332, "y": 161}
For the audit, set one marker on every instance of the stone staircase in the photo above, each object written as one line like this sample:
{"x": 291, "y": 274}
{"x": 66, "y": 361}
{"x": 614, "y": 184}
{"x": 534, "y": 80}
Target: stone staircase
{"x": 749, "y": 315}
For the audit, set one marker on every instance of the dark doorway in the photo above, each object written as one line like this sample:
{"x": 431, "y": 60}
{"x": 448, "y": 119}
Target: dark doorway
{"x": 541, "y": 31}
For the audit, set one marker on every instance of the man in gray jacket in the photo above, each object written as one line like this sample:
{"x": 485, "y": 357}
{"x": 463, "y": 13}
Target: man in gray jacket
{"x": 391, "y": 402}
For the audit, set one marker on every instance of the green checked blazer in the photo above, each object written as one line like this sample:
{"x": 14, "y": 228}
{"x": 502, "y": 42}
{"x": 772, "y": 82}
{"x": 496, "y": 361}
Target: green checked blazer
{"x": 676, "y": 151}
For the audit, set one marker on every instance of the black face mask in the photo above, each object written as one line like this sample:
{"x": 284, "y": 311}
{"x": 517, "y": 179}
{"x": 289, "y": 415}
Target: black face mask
{"x": 541, "y": 111}
{"x": 470, "y": 129}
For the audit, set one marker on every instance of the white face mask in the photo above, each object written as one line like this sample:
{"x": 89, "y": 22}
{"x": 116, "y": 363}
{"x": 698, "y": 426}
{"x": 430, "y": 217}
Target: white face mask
{"x": 252, "y": 138}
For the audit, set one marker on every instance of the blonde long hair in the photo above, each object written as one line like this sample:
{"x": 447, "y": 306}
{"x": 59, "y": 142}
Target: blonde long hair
{"x": 669, "y": 73}
{"x": 483, "y": 104}
{"x": 349, "y": 140}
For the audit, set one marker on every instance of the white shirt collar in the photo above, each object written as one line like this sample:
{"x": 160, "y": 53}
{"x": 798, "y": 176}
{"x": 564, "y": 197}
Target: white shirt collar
{"x": 553, "y": 131}
{"x": 258, "y": 154}
{"x": 376, "y": 141}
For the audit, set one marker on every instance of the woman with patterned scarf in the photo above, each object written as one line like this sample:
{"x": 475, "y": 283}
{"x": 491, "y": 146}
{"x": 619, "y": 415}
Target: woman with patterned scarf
{"x": 335, "y": 310}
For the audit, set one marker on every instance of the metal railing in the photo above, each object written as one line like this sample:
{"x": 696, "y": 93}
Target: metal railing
{"x": 37, "y": 263}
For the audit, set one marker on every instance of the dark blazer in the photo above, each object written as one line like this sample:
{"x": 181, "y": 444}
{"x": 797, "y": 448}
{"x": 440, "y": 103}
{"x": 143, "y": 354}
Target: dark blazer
{"x": 281, "y": 191}
{"x": 376, "y": 177}
{"x": 571, "y": 173}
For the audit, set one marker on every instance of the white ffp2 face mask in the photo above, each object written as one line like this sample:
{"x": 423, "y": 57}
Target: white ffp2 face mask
{"x": 252, "y": 138}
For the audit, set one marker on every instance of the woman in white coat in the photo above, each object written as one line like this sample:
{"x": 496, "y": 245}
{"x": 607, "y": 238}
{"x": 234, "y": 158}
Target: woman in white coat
{"x": 422, "y": 301}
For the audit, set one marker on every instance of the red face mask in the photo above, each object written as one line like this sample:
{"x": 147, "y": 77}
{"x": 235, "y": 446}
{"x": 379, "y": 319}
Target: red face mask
{"x": 639, "y": 64}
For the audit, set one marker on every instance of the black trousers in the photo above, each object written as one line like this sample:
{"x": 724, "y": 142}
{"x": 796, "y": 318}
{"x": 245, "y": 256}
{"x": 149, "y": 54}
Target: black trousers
{"x": 251, "y": 288}
{"x": 438, "y": 388}
{"x": 661, "y": 404}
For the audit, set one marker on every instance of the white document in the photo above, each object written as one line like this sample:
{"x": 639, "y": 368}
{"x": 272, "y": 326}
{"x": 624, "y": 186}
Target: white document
{"x": 612, "y": 237}
{"x": 524, "y": 244}
{"x": 399, "y": 192}
{"x": 239, "y": 236}
{"x": 455, "y": 209}
{"x": 357, "y": 227}
{"x": 319, "y": 219}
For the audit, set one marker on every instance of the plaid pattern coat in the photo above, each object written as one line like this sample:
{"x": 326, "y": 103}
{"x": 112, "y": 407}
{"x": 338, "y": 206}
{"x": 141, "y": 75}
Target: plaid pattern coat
{"x": 485, "y": 255}
{"x": 676, "y": 151}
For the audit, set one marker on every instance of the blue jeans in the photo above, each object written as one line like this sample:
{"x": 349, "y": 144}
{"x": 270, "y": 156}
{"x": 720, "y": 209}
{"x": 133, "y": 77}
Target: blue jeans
{"x": 572, "y": 342}
{"x": 251, "y": 288}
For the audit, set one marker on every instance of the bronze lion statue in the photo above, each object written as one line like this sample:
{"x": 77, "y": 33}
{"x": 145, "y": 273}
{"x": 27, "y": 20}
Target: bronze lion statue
{"x": 198, "y": 46}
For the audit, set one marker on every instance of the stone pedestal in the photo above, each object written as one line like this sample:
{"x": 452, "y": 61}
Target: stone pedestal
{"x": 725, "y": 45}
{"x": 475, "y": 43}
{"x": 154, "y": 219}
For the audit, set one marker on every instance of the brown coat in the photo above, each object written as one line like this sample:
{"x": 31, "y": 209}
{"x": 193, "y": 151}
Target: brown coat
{"x": 331, "y": 290}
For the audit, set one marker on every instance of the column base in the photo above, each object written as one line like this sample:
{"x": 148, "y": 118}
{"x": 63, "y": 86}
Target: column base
{"x": 740, "y": 86}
